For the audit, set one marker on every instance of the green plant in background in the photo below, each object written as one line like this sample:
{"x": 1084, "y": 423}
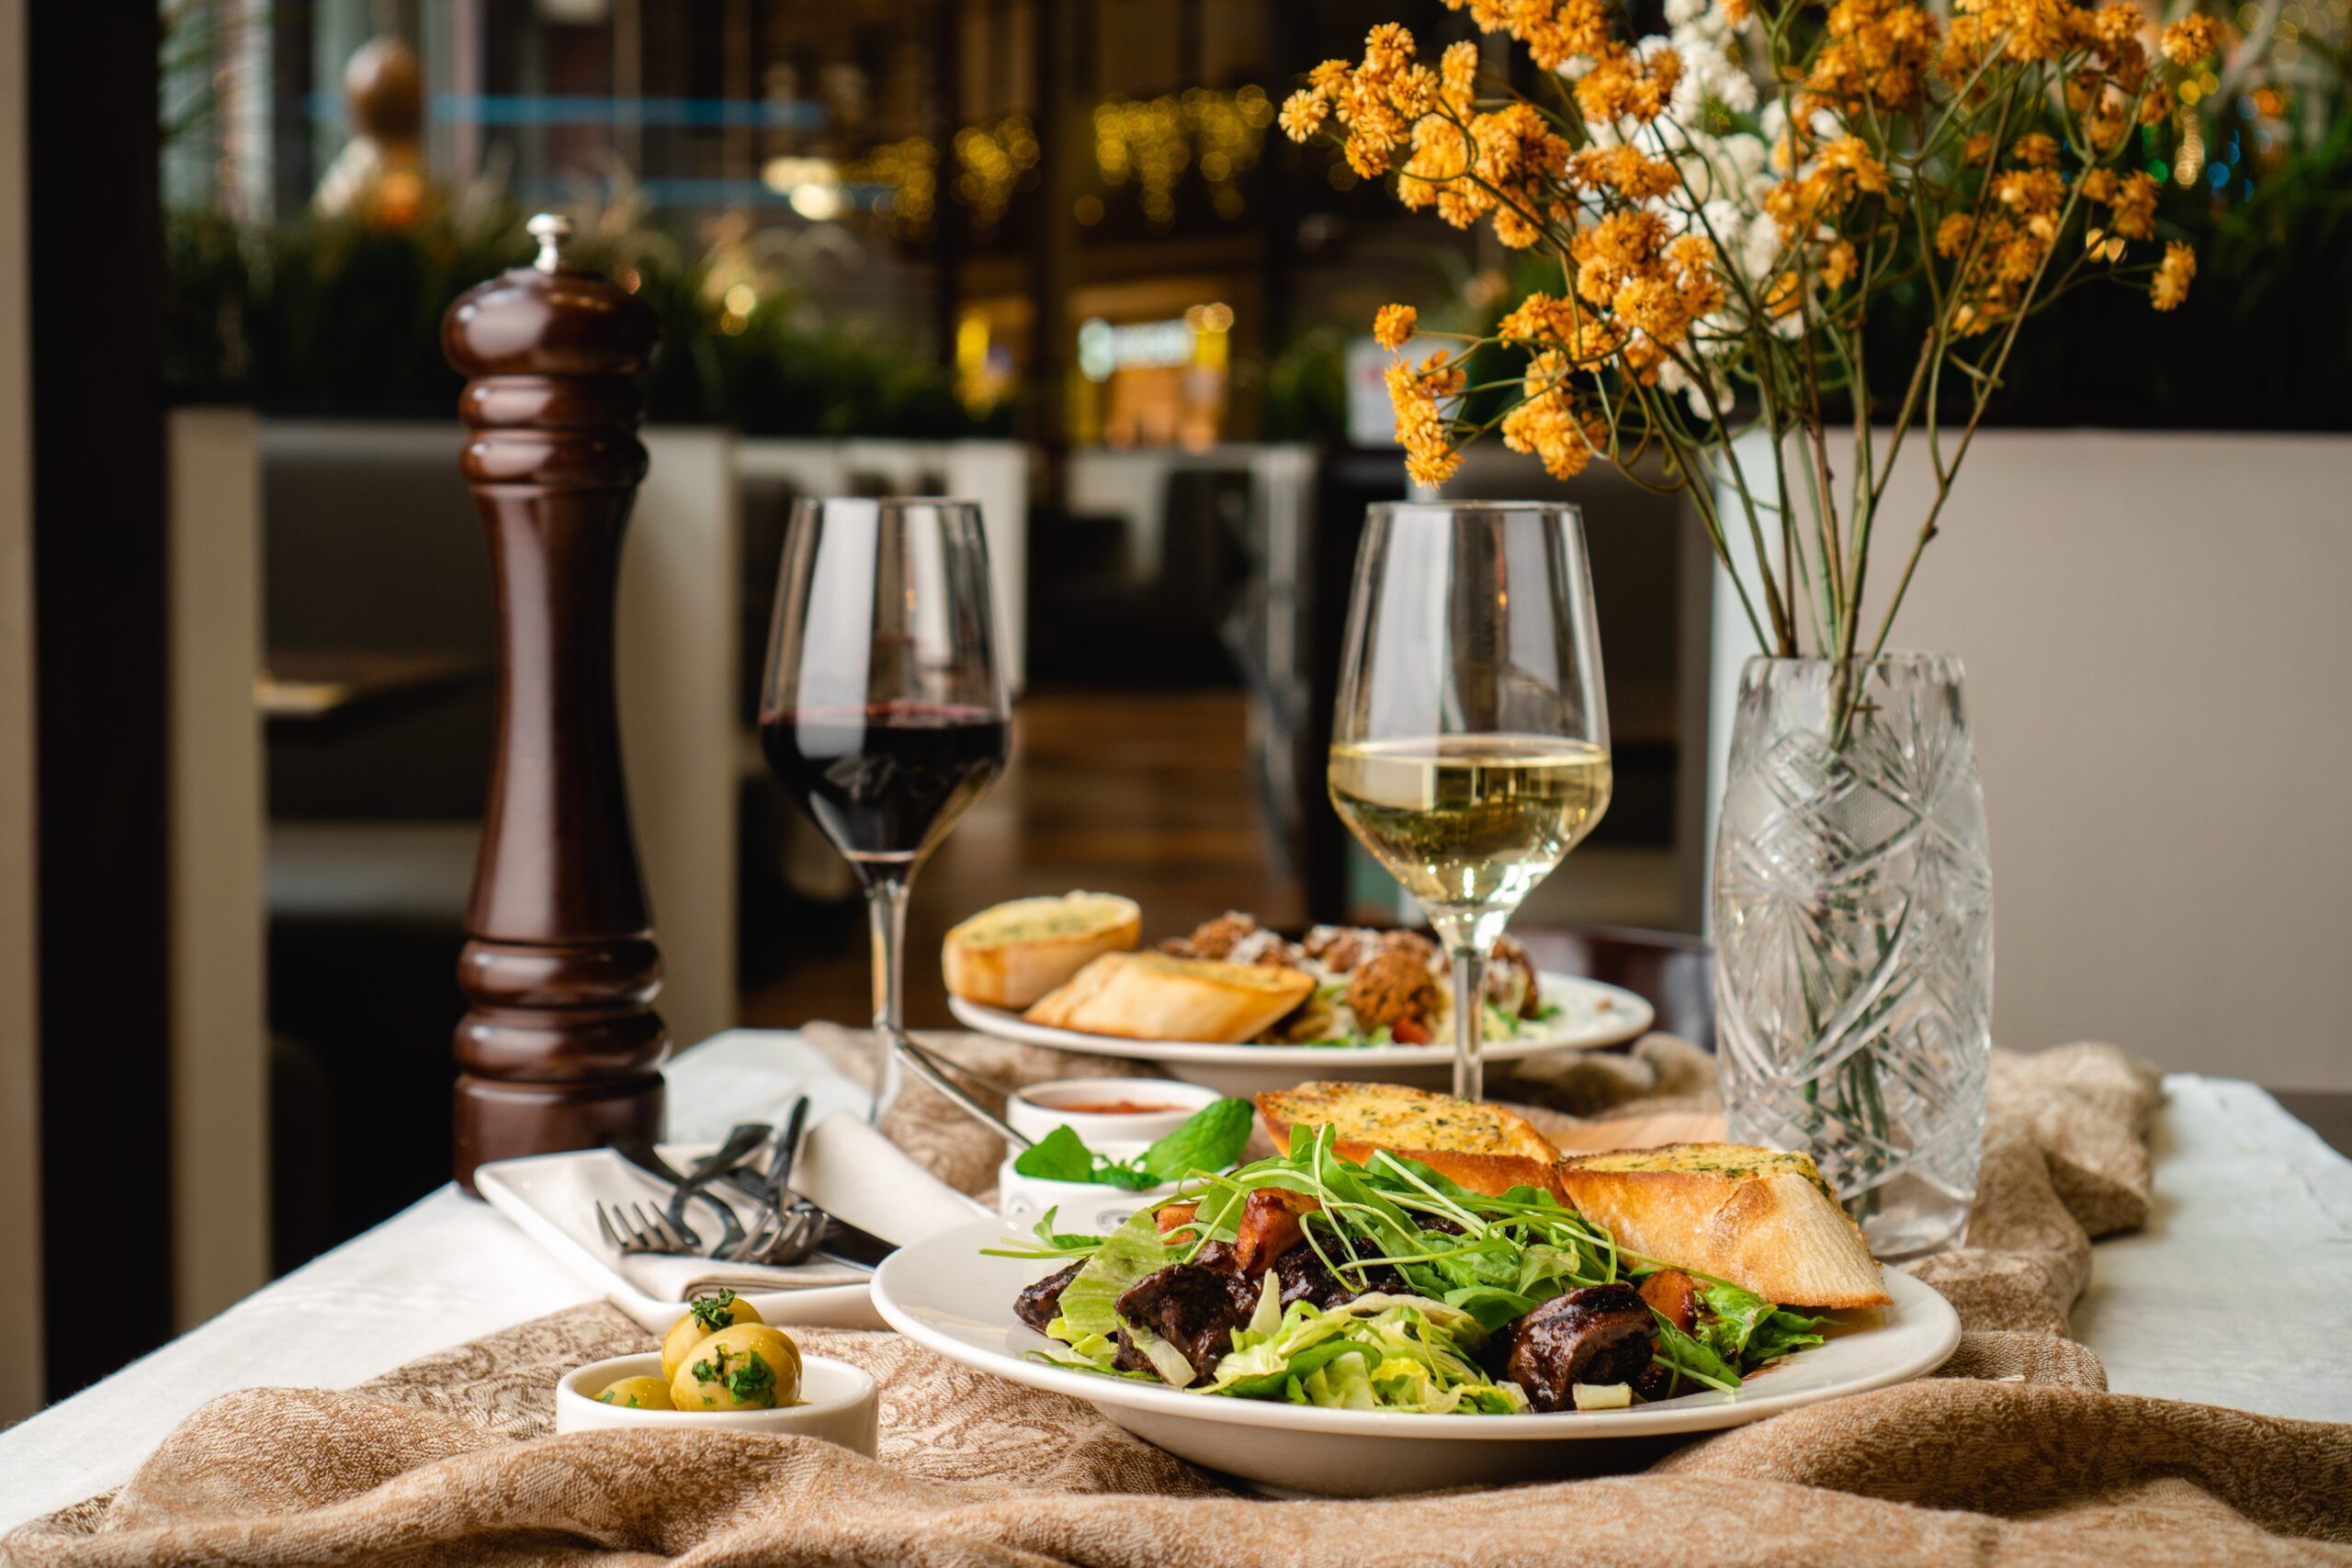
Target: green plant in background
{"x": 323, "y": 316}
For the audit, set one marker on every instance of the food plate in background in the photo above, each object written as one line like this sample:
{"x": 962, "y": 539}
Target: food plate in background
{"x": 942, "y": 1294}
{"x": 1591, "y": 1014}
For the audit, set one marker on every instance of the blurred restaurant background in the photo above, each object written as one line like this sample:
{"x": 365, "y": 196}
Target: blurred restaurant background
{"x": 1052, "y": 255}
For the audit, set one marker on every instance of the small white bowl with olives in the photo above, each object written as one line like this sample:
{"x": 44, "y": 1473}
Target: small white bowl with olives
{"x": 721, "y": 1368}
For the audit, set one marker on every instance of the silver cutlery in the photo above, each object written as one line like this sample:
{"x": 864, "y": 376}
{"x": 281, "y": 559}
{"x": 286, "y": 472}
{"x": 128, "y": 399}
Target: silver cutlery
{"x": 746, "y": 1137}
{"x": 634, "y": 1230}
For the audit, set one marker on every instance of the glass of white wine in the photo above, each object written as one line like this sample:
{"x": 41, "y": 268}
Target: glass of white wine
{"x": 1470, "y": 749}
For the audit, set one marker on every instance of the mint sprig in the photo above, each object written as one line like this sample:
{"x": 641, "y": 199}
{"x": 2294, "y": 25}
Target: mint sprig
{"x": 1210, "y": 1139}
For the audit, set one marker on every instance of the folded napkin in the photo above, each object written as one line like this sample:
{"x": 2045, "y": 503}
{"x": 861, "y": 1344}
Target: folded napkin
{"x": 2014, "y": 1453}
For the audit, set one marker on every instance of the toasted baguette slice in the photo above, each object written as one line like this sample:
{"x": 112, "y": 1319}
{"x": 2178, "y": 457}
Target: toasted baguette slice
{"x": 1486, "y": 1147}
{"x": 1009, "y": 956}
{"x": 1150, "y": 995}
{"x": 1762, "y": 1219}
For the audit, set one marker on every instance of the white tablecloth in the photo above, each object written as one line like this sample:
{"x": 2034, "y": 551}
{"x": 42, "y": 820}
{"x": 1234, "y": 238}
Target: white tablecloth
{"x": 2234, "y": 1294}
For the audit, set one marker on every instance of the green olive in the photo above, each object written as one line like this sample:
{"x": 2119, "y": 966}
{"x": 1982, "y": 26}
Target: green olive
{"x": 748, "y": 1367}
{"x": 639, "y": 1394}
{"x": 705, "y": 1315}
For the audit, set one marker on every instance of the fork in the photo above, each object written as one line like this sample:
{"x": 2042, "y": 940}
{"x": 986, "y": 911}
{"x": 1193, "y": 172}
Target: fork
{"x": 635, "y": 1230}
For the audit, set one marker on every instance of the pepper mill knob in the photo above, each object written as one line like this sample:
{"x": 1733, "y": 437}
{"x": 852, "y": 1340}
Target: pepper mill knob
{"x": 561, "y": 1047}
{"x": 550, "y": 229}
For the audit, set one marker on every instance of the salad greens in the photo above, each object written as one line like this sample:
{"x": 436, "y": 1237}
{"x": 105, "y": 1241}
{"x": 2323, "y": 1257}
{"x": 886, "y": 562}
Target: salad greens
{"x": 1377, "y": 1352}
{"x": 1473, "y": 1262}
{"x": 1210, "y": 1139}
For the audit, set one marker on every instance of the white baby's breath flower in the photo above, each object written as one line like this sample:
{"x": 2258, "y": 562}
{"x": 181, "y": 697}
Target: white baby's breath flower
{"x": 1759, "y": 252}
{"x": 1725, "y": 223}
{"x": 1682, "y": 13}
{"x": 1745, "y": 151}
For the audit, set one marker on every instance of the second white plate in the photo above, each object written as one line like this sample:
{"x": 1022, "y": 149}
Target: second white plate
{"x": 1591, "y": 1014}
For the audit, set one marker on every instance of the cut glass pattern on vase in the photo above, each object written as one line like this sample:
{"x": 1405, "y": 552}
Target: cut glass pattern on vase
{"x": 1853, "y": 926}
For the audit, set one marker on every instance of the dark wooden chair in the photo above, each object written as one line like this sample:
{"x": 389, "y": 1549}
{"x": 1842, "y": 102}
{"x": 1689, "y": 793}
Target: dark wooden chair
{"x": 1675, "y": 974}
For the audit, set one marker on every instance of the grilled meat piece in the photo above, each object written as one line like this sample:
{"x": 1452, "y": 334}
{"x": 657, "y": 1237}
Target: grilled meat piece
{"x": 1393, "y": 986}
{"x": 1510, "y": 979}
{"x": 1341, "y": 948}
{"x": 1042, "y": 1303}
{"x": 1195, "y": 1306}
{"x": 1269, "y": 1226}
{"x": 1216, "y": 938}
{"x": 1675, "y": 1296}
{"x": 1303, "y": 1278}
{"x": 1602, "y": 1334}
{"x": 1267, "y": 950}
{"x": 1413, "y": 942}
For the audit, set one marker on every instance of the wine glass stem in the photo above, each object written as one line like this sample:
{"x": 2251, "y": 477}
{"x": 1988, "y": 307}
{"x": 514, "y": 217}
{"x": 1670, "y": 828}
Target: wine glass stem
{"x": 886, "y": 910}
{"x": 1469, "y": 1021}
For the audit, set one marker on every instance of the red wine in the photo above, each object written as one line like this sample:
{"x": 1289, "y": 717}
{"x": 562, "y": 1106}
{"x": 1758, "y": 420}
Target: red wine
{"x": 887, "y": 781}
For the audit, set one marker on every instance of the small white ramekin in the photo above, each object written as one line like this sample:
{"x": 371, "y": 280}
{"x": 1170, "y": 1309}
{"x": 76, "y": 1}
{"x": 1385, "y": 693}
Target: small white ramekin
{"x": 1038, "y": 1110}
{"x": 837, "y": 1404}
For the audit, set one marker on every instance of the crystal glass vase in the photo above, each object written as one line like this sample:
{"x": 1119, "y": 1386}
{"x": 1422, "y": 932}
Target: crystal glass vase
{"x": 1853, "y": 924}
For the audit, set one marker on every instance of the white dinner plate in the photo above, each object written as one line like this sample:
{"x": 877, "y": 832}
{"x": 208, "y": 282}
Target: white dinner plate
{"x": 942, "y": 1292}
{"x": 1591, "y": 1014}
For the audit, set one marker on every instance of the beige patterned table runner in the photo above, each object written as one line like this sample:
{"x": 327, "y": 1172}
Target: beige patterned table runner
{"x": 2014, "y": 1453}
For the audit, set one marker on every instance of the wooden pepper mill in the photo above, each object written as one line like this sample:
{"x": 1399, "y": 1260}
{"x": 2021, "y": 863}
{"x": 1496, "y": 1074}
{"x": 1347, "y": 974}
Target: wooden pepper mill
{"x": 561, "y": 1047}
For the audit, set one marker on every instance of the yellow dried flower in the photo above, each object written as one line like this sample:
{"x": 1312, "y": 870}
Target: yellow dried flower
{"x": 1458, "y": 71}
{"x": 2036, "y": 151}
{"x": 1303, "y": 113}
{"x": 2186, "y": 42}
{"x": 1394, "y": 325}
{"x": 1549, "y": 424}
{"x": 2169, "y": 287}
{"x": 1625, "y": 169}
{"x": 1838, "y": 265}
{"x": 1622, "y": 85}
{"x": 1952, "y": 234}
{"x": 2132, "y": 202}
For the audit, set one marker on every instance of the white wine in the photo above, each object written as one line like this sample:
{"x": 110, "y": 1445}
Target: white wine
{"x": 1470, "y": 821}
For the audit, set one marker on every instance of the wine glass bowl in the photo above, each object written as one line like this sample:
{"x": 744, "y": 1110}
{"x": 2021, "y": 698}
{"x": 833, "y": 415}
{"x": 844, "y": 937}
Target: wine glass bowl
{"x": 882, "y": 703}
{"x": 1470, "y": 744}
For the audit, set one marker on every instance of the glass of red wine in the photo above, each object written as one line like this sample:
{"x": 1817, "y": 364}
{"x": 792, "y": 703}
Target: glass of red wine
{"x": 883, "y": 708}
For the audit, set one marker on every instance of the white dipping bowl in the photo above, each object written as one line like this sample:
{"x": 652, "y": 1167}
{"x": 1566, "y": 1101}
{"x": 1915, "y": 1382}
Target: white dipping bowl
{"x": 837, "y": 1404}
{"x": 1087, "y": 1208}
{"x": 1039, "y": 1108}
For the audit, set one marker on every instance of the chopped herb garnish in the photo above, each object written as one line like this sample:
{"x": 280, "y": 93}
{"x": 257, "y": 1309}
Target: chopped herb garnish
{"x": 716, "y": 1311}
{"x": 753, "y": 1379}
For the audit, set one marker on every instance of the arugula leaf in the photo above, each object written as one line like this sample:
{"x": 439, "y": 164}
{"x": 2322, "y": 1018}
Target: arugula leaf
{"x": 1059, "y": 1155}
{"x": 1783, "y": 1333}
{"x": 1210, "y": 1139}
{"x": 1730, "y": 1320}
{"x": 1692, "y": 1359}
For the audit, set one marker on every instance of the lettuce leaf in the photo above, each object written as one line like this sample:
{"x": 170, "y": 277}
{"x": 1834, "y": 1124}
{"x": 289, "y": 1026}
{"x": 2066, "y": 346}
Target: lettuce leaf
{"x": 1377, "y": 1352}
{"x": 1089, "y": 1323}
